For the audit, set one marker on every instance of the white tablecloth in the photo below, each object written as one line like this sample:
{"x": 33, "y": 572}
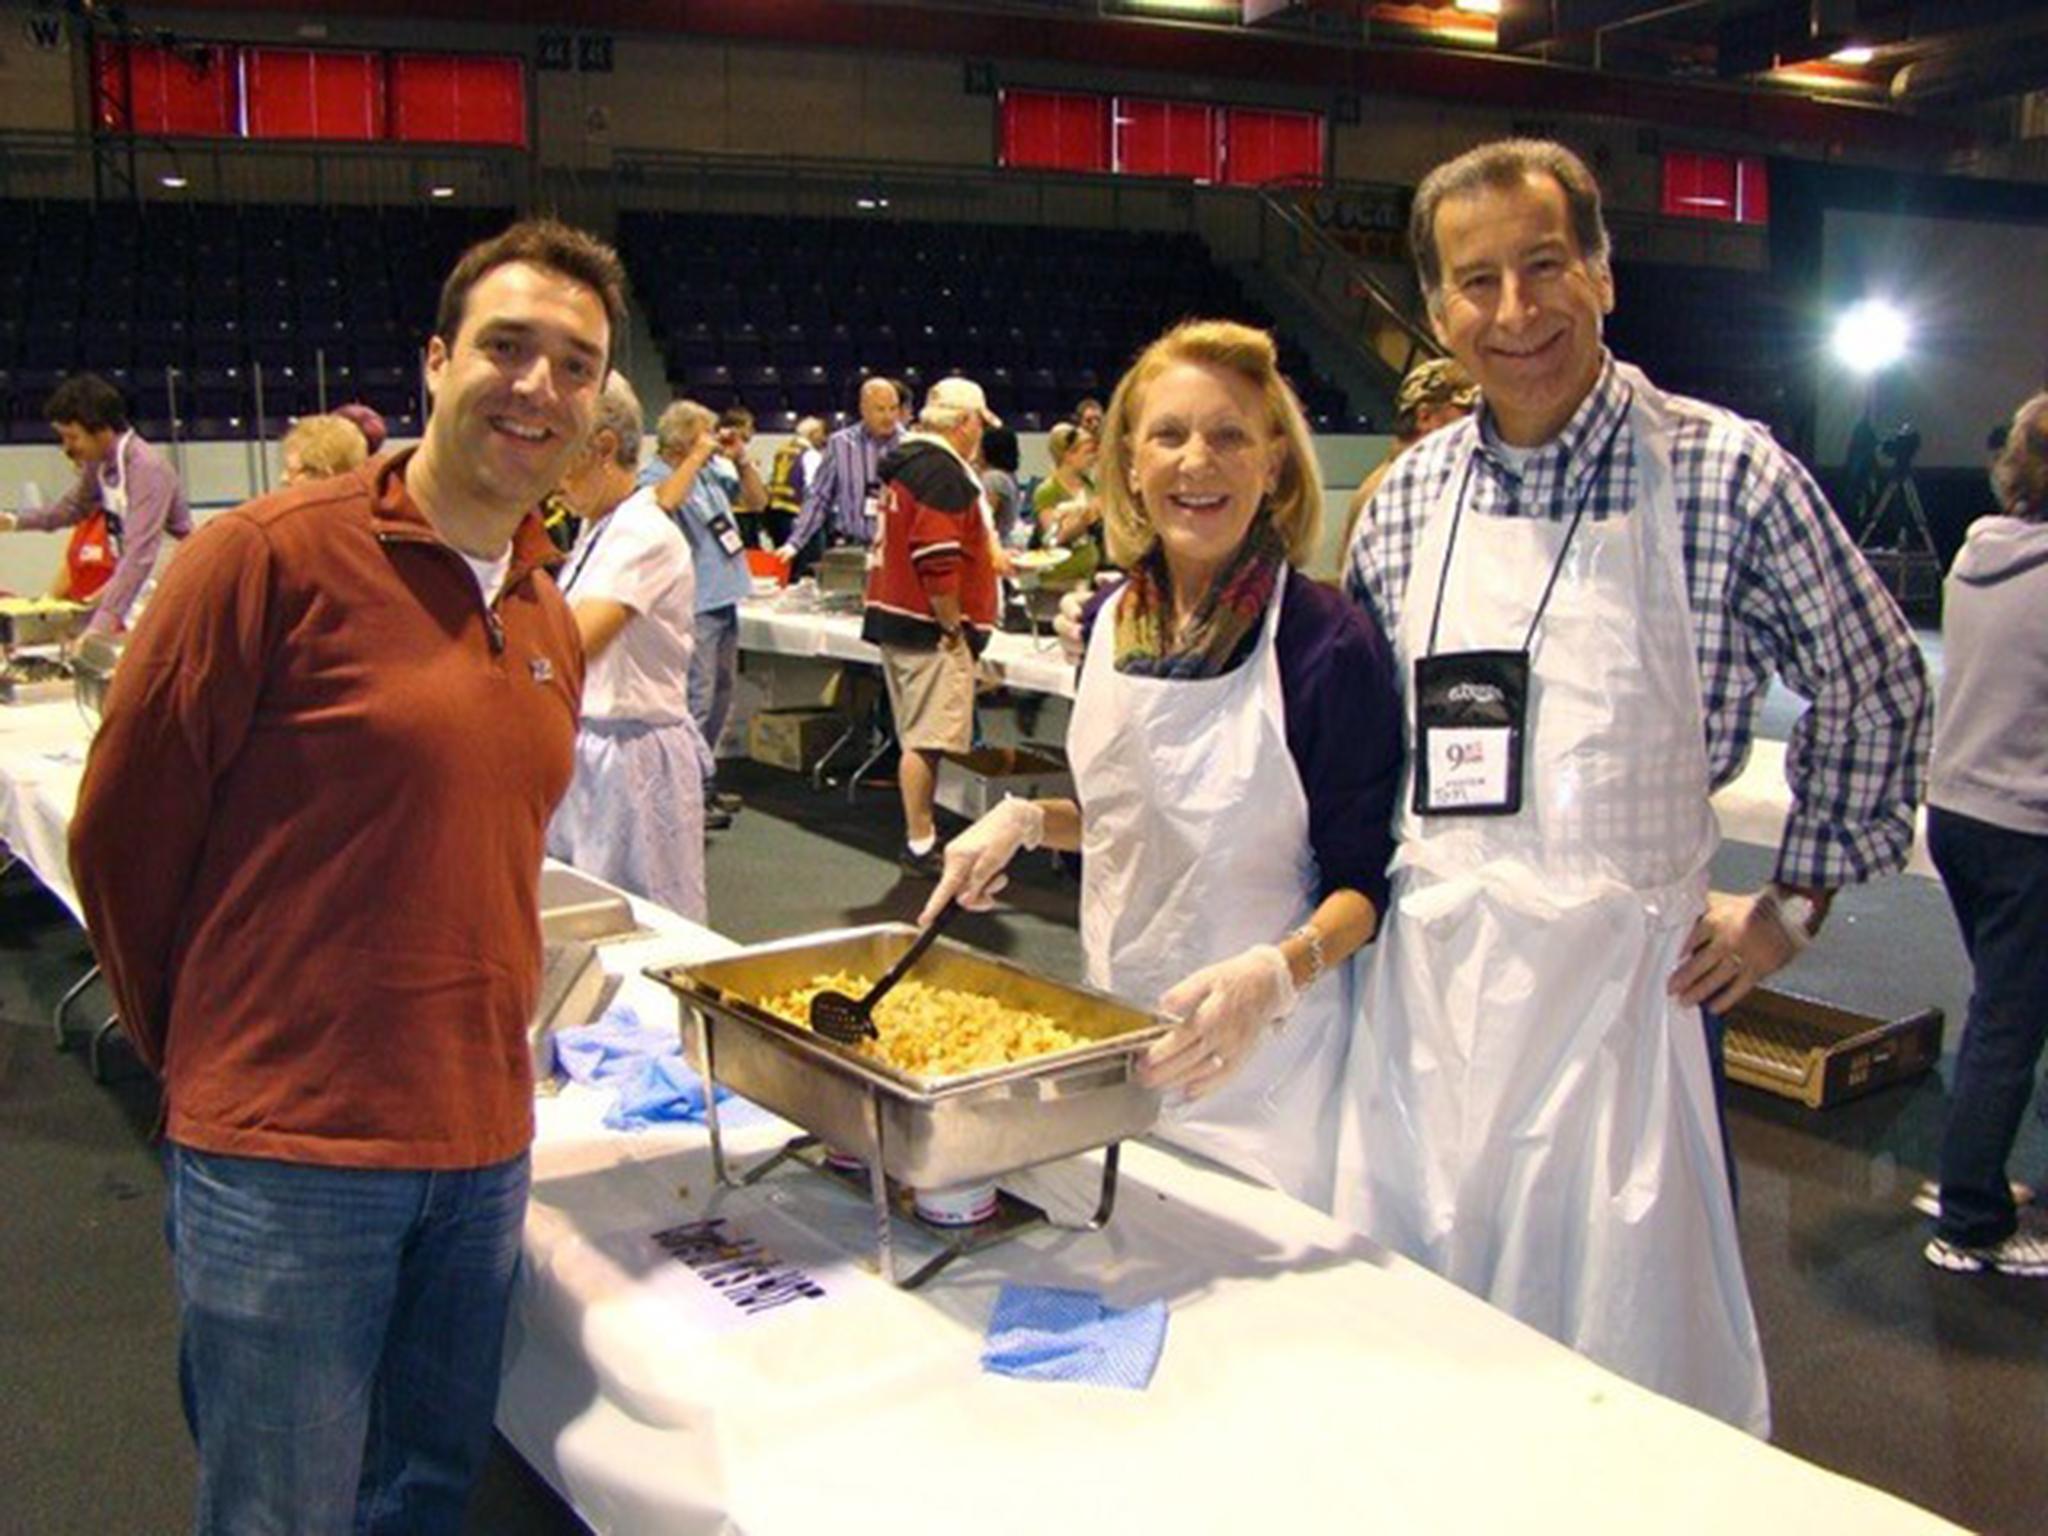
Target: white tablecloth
{"x": 1016, "y": 661}
{"x": 42, "y": 757}
{"x": 1309, "y": 1381}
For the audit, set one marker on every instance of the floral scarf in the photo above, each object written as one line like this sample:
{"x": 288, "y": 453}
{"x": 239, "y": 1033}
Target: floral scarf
{"x": 1225, "y": 621}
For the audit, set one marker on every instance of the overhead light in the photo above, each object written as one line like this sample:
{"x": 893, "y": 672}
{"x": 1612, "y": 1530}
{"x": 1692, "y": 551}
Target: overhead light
{"x": 174, "y": 181}
{"x": 1859, "y": 53}
{"x": 869, "y": 204}
{"x": 1479, "y": 7}
{"x": 440, "y": 191}
{"x": 1870, "y": 336}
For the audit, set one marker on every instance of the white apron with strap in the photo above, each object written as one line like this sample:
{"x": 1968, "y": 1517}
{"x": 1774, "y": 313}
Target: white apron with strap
{"x": 112, "y": 482}
{"x": 1527, "y": 1112}
{"x": 1195, "y": 847}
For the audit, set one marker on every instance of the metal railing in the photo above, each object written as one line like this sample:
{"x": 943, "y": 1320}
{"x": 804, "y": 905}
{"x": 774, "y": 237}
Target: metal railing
{"x": 1341, "y": 289}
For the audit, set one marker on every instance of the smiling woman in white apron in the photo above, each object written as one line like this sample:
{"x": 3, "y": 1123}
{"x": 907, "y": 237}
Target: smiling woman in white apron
{"x": 1530, "y": 1113}
{"x": 1235, "y": 747}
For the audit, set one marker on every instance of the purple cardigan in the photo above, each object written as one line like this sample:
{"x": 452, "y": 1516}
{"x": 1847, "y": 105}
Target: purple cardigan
{"x": 1343, "y": 732}
{"x": 156, "y": 506}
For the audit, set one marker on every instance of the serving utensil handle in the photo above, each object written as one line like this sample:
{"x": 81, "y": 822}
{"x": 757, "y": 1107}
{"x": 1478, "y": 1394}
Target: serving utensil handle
{"x": 909, "y": 957}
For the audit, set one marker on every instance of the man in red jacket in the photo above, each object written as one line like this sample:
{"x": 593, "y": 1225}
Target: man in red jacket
{"x": 308, "y": 845}
{"x": 931, "y": 598}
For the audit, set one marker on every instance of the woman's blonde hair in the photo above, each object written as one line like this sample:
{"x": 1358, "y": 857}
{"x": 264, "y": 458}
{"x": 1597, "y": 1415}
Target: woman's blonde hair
{"x": 1062, "y": 440}
{"x": 1296, "y": 503}
{"x": 326, "y": 445}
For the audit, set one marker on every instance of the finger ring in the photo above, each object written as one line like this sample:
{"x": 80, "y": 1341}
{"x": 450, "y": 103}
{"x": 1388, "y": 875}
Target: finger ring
{"x": 1737, "y": 959}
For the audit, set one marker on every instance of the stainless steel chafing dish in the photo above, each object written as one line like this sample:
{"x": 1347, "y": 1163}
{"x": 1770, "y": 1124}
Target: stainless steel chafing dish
{"x": 920, "y": 1133}
{"x": 843, "y": 575}
{"x": 92, "y": 671}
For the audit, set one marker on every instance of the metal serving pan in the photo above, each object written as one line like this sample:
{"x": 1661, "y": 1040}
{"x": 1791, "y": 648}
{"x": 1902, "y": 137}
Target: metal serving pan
{"x": 933, "y": 1132}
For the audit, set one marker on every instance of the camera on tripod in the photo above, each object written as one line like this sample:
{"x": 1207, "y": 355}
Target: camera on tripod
{"x": 1898, "y": 446}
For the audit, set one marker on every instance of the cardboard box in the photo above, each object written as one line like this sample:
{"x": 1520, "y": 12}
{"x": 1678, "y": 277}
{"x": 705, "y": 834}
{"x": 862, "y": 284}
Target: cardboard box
{"x": 1801, "y": 1048}
{"x": 793, "y": 738}
{"x": 970, "y": 783}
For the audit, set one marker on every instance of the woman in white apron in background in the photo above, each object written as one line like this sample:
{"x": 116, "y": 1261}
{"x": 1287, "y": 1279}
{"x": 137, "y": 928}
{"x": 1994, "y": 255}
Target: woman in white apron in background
{"x": 1235, "y": 747}
{"x": 1530, "y": 1113}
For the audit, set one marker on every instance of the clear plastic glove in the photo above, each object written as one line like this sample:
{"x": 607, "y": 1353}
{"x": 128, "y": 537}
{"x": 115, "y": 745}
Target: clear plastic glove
{"x": 1739, "y": 942}
{"x": 1067, "y": 624}
{"x": 976, "y": 859}
{"x": 1224, "y": 1010}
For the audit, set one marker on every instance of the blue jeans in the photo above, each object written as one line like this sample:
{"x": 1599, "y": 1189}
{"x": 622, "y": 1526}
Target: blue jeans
{"x": 1997, "y": 881}
{"x": 714, "y": 667}
{"x": 341, "y": 1330}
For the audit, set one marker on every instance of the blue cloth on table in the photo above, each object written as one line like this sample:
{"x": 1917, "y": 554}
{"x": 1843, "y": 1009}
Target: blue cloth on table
{"x": 643, "y": 1062}
{"x": 613, "y": 1046}
{"x": 1043, "y": 1333}
{"x": 664, "y": 1090}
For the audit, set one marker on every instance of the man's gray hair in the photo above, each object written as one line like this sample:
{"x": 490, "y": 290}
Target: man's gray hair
{"x": 618, "y": 412}
{"x": 1502, "y": 166}
{"x": 676, "y": 433}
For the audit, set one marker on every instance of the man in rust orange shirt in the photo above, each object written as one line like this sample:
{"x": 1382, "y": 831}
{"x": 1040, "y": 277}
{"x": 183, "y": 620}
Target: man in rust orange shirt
{"x": 308, "y": 845}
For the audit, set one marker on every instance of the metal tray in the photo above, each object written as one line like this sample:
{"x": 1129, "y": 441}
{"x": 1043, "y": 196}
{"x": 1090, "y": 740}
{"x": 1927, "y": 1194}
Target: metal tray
{"x": 932, "y": 1133}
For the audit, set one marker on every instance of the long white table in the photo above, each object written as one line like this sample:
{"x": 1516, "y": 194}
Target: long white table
{"x": 1024, "y": 662}
{"x": 1309, "y": 1381}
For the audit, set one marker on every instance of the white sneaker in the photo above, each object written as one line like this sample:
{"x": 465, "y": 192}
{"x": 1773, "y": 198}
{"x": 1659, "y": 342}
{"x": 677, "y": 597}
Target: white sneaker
{"x": 1927, "y": 1199}
{"x": 2024, "y": 1253}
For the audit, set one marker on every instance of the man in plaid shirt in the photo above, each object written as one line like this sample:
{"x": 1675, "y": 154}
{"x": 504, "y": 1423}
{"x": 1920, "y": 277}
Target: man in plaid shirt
{"x": 1531, "y": 1109}
{"x": 1775, "y": 583}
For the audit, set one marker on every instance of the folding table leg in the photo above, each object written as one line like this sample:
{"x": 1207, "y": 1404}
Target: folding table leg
{"x": 108, "y": 1025}
{"x": 64, "y": 1003}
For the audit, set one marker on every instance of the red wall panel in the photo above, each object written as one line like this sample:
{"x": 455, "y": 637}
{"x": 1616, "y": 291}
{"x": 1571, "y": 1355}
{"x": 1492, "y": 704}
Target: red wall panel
{"x": 1165, "y": 138}
{"x": 299, "y": 93}
{"x": 1705, "y": 185}
{"x": 1260, "y": 146}
{"x": 458, "y": 99}
{"x": 1051, "y": 130}
{"x": 187, "y": 92}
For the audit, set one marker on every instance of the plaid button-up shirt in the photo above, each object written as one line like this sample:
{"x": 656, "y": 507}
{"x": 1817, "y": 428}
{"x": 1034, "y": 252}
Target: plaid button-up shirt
{"x": 1776, "y": 585}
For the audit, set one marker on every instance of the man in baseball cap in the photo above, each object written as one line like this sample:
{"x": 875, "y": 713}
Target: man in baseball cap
{"x": 931, "y": 596}
{"x": 1436, "y": 392}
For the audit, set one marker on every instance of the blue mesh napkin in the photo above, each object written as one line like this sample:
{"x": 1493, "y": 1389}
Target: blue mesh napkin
{"x": 1042, "y": 1333}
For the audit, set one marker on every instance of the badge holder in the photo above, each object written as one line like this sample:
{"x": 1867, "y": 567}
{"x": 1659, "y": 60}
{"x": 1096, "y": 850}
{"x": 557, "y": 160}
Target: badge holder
{"x": 1472, "y": 707}
{"x": 1471, "y": 714}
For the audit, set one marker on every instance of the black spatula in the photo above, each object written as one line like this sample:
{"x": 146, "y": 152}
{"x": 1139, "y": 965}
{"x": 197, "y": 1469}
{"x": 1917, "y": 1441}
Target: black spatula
{"x": 847, "y": 1021}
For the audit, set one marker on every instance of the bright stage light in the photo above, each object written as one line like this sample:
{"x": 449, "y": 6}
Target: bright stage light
{"x": 1870, "y": 336}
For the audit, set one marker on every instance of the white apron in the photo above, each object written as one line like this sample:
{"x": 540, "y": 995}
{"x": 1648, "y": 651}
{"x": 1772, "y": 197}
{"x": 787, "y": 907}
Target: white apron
{"x": 112, "y": 482}
{"x": 1527, "y": 1112}
{"x": 1194, "y": 847}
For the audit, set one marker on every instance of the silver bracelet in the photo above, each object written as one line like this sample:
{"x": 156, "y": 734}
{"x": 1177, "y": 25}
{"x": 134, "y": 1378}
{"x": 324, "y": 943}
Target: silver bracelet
{"x": 1312, "y": 936}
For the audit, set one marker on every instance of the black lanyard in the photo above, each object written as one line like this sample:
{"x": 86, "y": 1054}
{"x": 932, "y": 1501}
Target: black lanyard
{"x": 1592, "y": 482}
{"x": 598, "y": 530}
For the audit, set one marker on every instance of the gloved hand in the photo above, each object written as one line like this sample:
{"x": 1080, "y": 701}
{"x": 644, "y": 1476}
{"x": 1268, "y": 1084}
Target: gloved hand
{"x": 1739, "y": 942}
{"x": 976, "y": 859}
{"x": 1224, "y": 1010}
{"x": 1067, "y": 624}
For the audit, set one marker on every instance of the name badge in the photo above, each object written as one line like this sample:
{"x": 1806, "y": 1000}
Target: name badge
{"x": 1471, "y": 710}
{"x": 728, "y": 534}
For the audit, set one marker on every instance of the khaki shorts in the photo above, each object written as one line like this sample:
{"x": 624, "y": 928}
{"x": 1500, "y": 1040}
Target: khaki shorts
{"x": 931, "y": 694}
